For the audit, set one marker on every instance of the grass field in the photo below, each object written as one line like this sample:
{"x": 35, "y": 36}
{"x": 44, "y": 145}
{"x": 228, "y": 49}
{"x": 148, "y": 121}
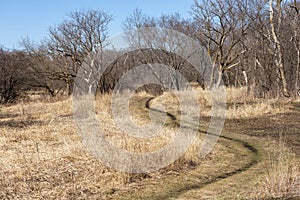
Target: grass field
{"x": 256, "y": 157}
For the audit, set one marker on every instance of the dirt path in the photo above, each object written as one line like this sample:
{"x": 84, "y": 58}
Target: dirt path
{"x": 283, "y": 126}
{"x": 243, "y": 154}
{"x": 230, "y": 140}
{"x": 245, "y": 142}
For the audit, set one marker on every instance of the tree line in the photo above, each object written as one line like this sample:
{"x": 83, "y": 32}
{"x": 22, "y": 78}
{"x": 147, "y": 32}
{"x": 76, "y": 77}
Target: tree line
{"x": 252, "y": 43}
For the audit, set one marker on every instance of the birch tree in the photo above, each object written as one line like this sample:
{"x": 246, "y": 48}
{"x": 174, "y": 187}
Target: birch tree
{"x": 275, "y": 26}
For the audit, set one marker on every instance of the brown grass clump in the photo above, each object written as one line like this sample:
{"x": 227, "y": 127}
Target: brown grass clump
{"x": 257, "y": 109}
{"x": 283, "y": 175}
{"x": 240, "y": 104}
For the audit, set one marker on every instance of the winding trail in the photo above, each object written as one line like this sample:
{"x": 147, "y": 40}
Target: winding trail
{"x": 229, "y": 175}
{"x": 200, "y": 185}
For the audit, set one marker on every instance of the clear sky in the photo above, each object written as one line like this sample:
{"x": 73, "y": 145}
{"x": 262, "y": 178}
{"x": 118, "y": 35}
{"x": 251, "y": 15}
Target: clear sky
{"x": 32, "y": 18}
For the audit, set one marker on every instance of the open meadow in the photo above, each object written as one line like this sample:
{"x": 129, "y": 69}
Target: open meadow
{"x": 257, "y": 155}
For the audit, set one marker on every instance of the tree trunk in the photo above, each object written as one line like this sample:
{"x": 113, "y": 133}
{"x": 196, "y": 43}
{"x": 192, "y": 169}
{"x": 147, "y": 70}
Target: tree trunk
{"x": 246, "y": 82}
{"x": 220, "y": 73}
{"x": 297, "y": 72}
{"x": 212, "y": 76}
{"x": 297, "y": 47}
{"x": 282, "y": 73}
{"x": 69, "y": 88}
{"x": 278, "y": 49}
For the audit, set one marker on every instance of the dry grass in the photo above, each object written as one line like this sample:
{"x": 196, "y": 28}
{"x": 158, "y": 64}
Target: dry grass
{"x": 41, "y": 154}
{"x": 43, "y": 157}
{"x": 140, "y": 116}
{"x": 283, "y": 175}
{"x": 256, "y": 109}
{"x": 241, "y": 105}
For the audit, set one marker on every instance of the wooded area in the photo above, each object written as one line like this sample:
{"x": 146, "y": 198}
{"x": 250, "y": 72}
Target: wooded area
{"x": 255, "y": 44}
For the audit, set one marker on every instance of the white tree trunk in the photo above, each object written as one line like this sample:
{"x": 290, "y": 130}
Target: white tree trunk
{"x": 278, "y": 50}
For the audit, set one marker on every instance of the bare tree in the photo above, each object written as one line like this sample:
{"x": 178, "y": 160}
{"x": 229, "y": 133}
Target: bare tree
{"x": 224, "y": 25}
{"x": 166, "y": 42}
{"x": 41, "y": 70}
{"x": 13, "y": 80}
{"x": 71, "y": 41}
{"x": 137, "y": 19}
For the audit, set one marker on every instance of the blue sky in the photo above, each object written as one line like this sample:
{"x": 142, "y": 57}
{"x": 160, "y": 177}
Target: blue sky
{"x": 32, "y": 18}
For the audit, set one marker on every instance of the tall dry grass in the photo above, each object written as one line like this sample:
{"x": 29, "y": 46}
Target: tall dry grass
{"x": 140, "y": 116}
{"x": 283, "y": 174}
{"x": 240, "y": 104}
{"x": 42, "y": 155}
